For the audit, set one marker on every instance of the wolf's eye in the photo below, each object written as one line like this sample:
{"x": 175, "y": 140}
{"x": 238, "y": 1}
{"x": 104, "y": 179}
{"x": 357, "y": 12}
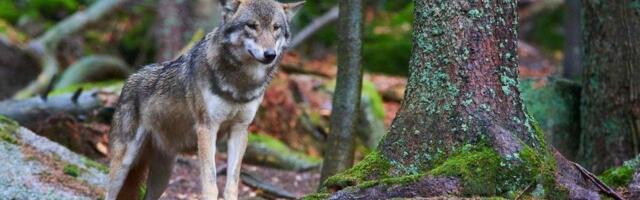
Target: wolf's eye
{"x": 276, "y": 27}
{"x": 252, "y": 26}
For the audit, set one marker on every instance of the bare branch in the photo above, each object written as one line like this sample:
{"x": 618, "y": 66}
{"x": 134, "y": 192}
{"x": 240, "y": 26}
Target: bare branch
{"x": 317, "y": 24}
{"x": 43, "y": 47}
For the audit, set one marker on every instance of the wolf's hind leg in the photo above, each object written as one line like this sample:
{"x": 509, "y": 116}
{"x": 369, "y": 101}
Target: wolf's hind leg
{"x": 126, "y": 168}
{"x": 160, "y": 168}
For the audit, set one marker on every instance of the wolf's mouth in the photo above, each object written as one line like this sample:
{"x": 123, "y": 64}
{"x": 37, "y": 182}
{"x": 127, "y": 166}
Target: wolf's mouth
{"x": 258, "y": 59}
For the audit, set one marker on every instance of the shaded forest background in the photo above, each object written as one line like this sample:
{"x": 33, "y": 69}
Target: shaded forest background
{"x": 73, "y": 105}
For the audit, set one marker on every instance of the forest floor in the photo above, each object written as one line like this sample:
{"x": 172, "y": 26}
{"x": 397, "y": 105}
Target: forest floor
{"x": 185, "y": 181}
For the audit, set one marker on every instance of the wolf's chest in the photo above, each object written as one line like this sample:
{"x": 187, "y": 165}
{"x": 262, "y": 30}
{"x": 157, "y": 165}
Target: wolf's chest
{"x": 221, "y": 110}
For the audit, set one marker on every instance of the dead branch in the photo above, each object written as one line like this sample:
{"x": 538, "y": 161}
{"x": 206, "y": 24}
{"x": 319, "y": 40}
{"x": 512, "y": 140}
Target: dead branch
{"x": 601, "y": 185}
{"x": 254, "y": 181}
{"x": 90, "y": 66}
{"x": 317, "y": 24}
{"x": 33, "y": 110}
{"x": 43, "y": 48}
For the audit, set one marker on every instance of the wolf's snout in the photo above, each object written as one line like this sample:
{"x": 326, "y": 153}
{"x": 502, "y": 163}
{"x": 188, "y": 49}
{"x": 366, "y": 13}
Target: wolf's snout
{"x": 270, "y": 55}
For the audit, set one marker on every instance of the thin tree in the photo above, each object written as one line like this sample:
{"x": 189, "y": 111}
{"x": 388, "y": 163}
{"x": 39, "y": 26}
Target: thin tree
{"x": 610, "y": 102}
{"x": 462, "y": 128}
{"x": 339, "y": 149}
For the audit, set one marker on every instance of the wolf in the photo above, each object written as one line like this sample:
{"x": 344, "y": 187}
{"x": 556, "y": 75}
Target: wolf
{"x": 182, "y": 106}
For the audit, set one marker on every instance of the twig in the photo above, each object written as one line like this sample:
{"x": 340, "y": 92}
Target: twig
{"x": 317, "y": 24}
{"x": 525, "y": 190}
{"x": 602, "y": 186}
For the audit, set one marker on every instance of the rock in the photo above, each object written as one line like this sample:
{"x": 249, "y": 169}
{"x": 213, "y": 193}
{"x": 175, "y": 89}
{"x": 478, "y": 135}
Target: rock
{"x": 34, "y": 167}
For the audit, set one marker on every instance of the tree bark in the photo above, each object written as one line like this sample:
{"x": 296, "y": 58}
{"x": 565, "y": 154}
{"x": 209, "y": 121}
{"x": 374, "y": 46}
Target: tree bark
{"x": 463, "y": 118}
{"x": 610, "y": 103}
{"x": 174, "y": 27}
{"x": 573, "y": 37}
{"x": 338, "y": 155}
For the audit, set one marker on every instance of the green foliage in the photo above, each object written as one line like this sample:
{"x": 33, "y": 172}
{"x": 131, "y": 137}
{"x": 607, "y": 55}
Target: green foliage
{"x": 9, "y": 11}
{"x": 71, "y": 170}
{"x": 13, "y": 10}
{"x": 135, "y": 42}
{"x": 387, "y": 42}
{"x": 547, "y": 30}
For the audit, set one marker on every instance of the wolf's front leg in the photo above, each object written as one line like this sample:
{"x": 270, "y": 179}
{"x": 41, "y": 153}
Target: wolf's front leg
{"x": 206, "y": 134}
{"x": 237, "y": 145}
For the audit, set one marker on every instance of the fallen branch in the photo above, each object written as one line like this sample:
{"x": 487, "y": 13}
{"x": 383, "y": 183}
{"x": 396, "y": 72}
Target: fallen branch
{"x": 254, "y": 181}
{"x": 91, "y": 66}
{"x": 602, "y": 186}
{"x": 43, "y": 48}
{"x": 33, "y": 110}
{"x": 317, "y": 24}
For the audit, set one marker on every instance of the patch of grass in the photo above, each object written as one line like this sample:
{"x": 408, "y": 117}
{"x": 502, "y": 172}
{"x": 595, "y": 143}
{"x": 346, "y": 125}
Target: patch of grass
{"x": 93, "y": 164}
{"x": 71, "y": 170}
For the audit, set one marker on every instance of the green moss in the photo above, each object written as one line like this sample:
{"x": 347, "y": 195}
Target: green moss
{"x": 71, "y": 170}
{"x": 116, "y": 85}
{"x": 478, "y": 170}
{"x": 621, "y": 176}
{"x": 618, "y": 177}
{"x": 373, "y": 166}
{"x": 484, "y": 172}
{"x": 402, "y": 180}
{"x": 317, "y": 196}
{"x": 93, "y": 164}
{"x": 8, "y": 128}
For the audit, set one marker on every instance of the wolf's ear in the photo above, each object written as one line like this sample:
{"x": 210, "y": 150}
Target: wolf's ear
{"x": 292, "y": 8}
{"x": 229, "y": 7}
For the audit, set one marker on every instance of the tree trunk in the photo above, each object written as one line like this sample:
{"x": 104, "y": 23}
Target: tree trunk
{"x": 174, "y": 27}
{"x": 462, "y": 118}
{"x": 610, "y": 105}
{"x": 573, "y": 35}
{"x": 338, "y": 155}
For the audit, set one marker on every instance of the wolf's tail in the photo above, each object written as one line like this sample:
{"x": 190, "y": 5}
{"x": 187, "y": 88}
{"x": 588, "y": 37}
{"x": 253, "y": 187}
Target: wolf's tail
{"x": 128, "y": 145}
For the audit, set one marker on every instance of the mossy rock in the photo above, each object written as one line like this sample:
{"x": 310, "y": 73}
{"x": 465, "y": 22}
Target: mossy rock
{"x": 7, "y": 130}
{"x": 266, "y": 150}
{"x": 621, "y": 176}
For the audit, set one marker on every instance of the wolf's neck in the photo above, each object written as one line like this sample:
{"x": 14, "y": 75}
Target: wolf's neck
{"x": 235, "y": 81}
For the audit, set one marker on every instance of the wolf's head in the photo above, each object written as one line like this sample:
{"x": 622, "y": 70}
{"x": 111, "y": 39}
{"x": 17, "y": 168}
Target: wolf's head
{"x": 257, "y": 30}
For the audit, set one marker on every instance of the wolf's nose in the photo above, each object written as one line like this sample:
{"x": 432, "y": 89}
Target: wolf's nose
{"x": 270, "y": 55}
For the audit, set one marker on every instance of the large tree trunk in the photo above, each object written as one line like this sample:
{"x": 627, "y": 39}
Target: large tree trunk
{"x": 611, "y": 93}
{"x": 462, "y": 129}
{"x": 338, "y": 155}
